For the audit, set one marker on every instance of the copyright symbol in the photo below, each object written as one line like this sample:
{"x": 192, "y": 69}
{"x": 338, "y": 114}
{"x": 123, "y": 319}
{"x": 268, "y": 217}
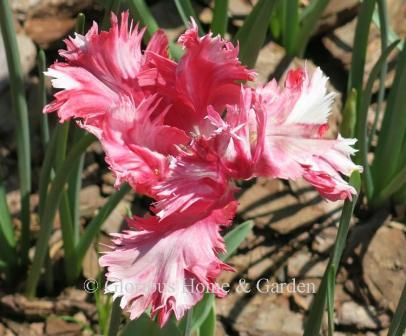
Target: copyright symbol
{"x": 90, "y": 285}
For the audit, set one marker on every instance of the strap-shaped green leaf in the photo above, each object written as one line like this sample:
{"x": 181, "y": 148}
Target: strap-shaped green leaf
{"x": 362, "y": 120}
{"x": 19, "y": 103}
{"x": 313, "y": 323}
{"x": 50, "y": 208}
{"x": 235, "y": 237}
{"x": 388, "y": 154}
{"x": 208, "y": 327}
{"x": 220, "y": 17}
{"x": 251, "y": 36}
{"x": 186, "y": 12}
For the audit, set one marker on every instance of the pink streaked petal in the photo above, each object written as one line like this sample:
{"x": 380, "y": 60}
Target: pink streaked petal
{"x": 207, "y": 75}
{"x": 158, "y": 44}
{"x": 164, "y": 270}
{"x": 198, "y": 183}
{"x": 83, "y": 95}
{"x": 114, "y": 56}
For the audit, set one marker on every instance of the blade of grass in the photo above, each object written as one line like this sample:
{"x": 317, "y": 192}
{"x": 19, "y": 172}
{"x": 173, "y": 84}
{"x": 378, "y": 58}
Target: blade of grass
{"x": 220, "y": 17}
{"x": 362, "y": 121}
{"x": 198, "y": 315}
{"x": 208, "y": 327}
{"x": 93, "y": 227}
{"x": 7, "y": 240}
{"x": 41, "y": 63}
{"x": 64, "y": 206}
{"x": 46, "y": 170}
{"x": 393, "y": 186}
{"x": 309, "y": 20}
{"x": 75, "y": 180}
{"x": 255, "y": 25}
{"x": 74, "y": 186}
{"x": 360, "y": 47}
{"x": 315, "y": 317}
{"x": 331, "y": 283}
{"x": 186, "y": 11}
{"x": 393, "y": 131}
{"x": 384, "y": 25}
{"x": 398, "y": 324}
{"x": 349, "y": 115}
{"x": 22, "y": 124}
{"x": 140, "y": 11}
{"x": 290, "y": 22}
{"x": 50, "y": 209}
{"x": 235, "y": 237}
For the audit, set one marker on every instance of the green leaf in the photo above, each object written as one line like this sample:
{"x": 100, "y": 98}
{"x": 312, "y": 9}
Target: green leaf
{"x": 141, "y": 12}
{"x": 398, "y": 324}
{"x": 349, "y": 115}
{"x": 208, "y": 327}
{"x": 50, "y": 209}
{"x": 145, "y": 326}
{"x": 199, "y": 313}
{"x": 360, "y": 46}
{"x": 255, "y": 25}
{"x": 19, "y": 103}
{"x": 388, "y": 156}
{"x": 384, "y": 20}
{"x": 362, "y": 120}
{"x": 331, "y": 283}
{"x": 235, "y": 237}
{"x": 315, "y": 317}
{"x": 220, "y": 17}
{"x": 393, "y": 186}
{"x": 290, "y": 21}
{"x": 42, "y": 97}
{"x": 309, "y": 20}
{"x": 186, "y": 12}
{"x": 7, "y": 240}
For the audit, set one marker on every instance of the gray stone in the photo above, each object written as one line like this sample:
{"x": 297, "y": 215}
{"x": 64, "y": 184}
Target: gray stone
{"x": 28, "y": 54}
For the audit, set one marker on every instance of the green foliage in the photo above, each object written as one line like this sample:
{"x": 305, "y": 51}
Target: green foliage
{"x": 187, "y": 12}
{"x": 256, "y": 24}
{"x": 220, "y": 17}
{"x": 22, "y": 124}
{"x": 325, "y": 294}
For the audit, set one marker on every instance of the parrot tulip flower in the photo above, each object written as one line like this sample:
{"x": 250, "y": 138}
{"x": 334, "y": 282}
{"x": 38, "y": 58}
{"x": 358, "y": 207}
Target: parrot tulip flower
{"x": 183, "y": 133}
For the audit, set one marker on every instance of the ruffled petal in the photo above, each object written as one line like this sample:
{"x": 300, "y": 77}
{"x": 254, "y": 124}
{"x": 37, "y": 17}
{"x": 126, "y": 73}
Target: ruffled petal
{"x": 137, "y": 145}
{"x": 167, "y": 270}
{"x": 197, "y": 184}
{"x": 294, "y": 144}
{"x": 206, "y": 75}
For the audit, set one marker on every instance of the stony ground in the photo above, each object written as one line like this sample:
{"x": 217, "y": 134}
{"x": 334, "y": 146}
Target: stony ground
{"x": 294, "y": 229}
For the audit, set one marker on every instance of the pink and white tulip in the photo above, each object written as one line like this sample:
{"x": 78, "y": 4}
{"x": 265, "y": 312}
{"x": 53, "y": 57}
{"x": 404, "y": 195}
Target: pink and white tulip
{"x": 182, "y": 133}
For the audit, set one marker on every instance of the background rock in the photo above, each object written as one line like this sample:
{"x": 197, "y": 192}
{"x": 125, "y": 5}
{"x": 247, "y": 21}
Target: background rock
{"x": 384, "y": 266}
{"x": 28, "y": 54}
